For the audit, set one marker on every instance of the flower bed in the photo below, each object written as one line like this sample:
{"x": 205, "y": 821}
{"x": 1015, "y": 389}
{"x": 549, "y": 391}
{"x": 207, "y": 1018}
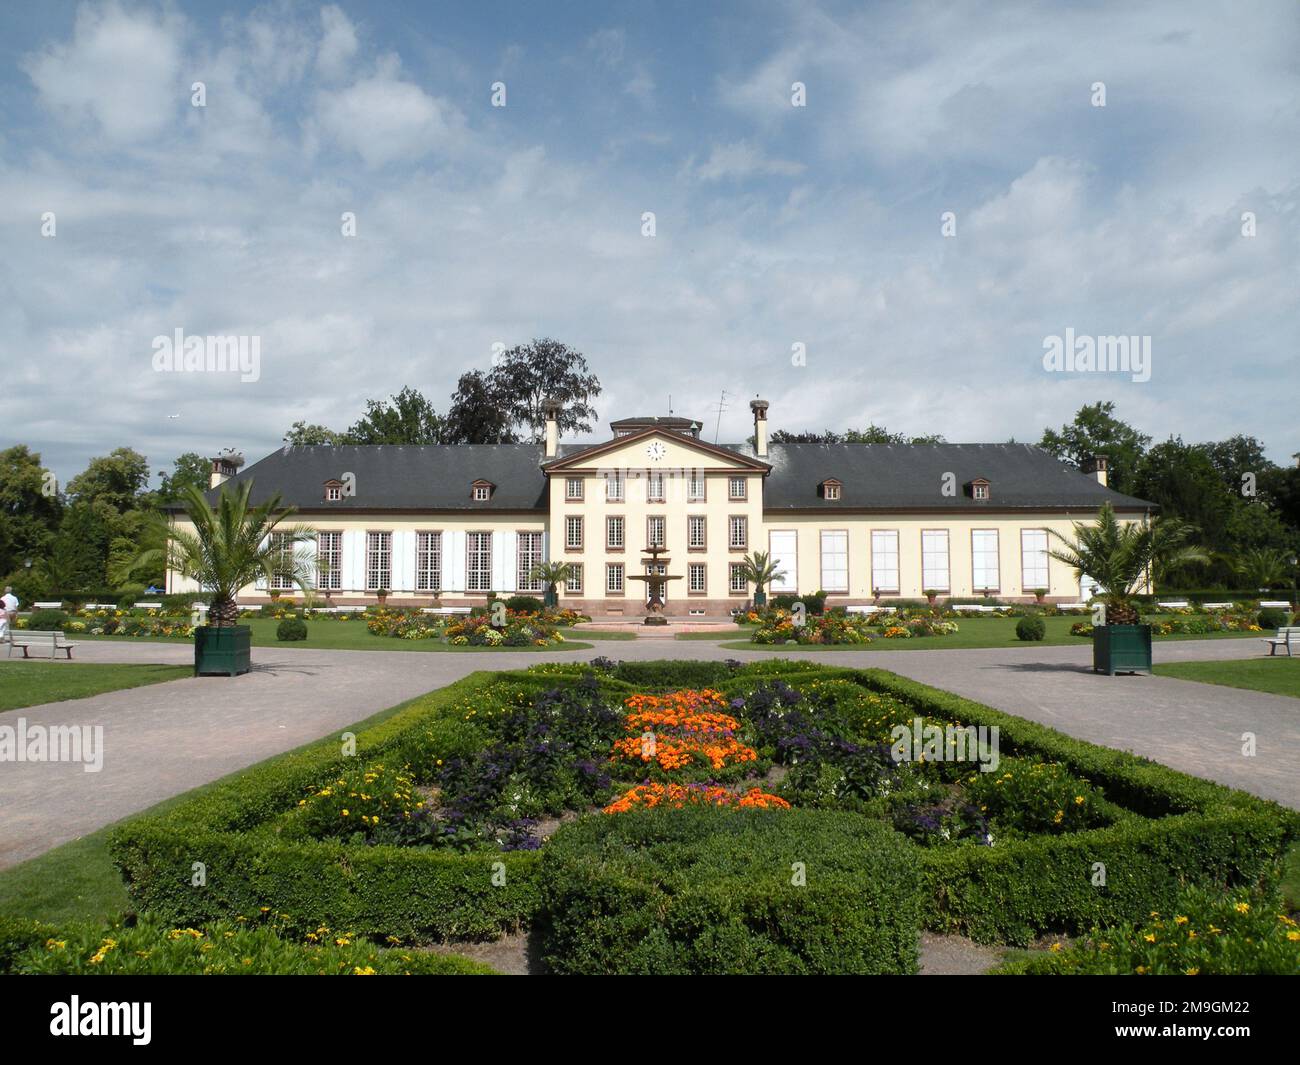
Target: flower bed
{"x": 777, "y": 625}
{"x": 443, "y": 822}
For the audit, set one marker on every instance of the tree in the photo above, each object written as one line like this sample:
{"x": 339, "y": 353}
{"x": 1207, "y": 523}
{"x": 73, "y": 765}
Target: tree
{"x": 872, "y": 434}
{"x": 1262, "y": 568}
{"x": 544, "y": 369}
{"x": 30, "y": 508}
{"x": 232, "y": 545}
{"x": 189, "y": 468}
{"x": 117, "y": 480}
{"x": 479, "y": 414}
{"x": 552, "y": 575}
{"x": 303, "y": 435}
{"x": 1096, "y": 431}
{"x": 760, "y": 570}
{"x": 408, "y": 418}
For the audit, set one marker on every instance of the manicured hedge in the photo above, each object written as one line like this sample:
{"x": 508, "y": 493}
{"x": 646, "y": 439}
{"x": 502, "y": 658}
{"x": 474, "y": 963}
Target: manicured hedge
{"x": 705, "y": 890}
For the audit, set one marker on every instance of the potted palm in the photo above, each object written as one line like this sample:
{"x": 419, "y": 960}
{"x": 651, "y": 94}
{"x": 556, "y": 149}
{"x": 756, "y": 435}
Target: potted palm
{"x": 551, "y": 575}
{"x": 760, "y": 571}
{"x": 231, "y": 545}
{"x": 1120, "y": 556}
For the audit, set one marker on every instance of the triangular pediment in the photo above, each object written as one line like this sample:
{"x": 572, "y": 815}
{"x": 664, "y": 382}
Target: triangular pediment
{"x": 651, "y": 448}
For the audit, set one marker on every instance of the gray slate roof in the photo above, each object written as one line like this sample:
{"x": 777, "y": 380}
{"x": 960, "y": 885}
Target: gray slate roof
{"x": 874, "y": 476}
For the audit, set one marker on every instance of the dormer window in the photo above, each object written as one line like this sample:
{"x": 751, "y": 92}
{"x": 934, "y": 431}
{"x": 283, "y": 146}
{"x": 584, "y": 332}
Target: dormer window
{"x": 978, "y": 489}
{"x": 830, "y": 489}
{"x": 481, "y": 491}
{"x": 333, "y": 491}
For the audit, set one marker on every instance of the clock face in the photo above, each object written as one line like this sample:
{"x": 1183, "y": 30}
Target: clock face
{"x": 656, "y": 451}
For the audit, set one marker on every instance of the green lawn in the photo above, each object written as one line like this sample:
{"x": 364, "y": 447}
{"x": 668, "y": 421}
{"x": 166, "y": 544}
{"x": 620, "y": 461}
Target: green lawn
{"x": 976, "y": 632}
{"x": 354, "y": 636}
{"x": 24, "y": 683}
{"x": 1277, "y": 676}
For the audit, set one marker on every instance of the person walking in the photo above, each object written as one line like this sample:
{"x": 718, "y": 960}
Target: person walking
{"x": 9, "y": 606}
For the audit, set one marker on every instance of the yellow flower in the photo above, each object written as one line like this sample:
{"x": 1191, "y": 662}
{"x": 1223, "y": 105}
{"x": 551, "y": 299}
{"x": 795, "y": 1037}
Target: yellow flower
{"x": 345, "y": 812}
{"x": 1180, "y": 920}
{"x": 1150, "y": 937}
{"x": 1293, "y": 936}
{"x": 1242, "y": 907}
{"x": 1192, "y": 972}
{"x": 1078, "y": 800}
{"x": 1060, "y": 816}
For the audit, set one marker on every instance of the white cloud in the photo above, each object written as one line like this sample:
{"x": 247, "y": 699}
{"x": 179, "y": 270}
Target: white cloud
{"x": 338, "y": 44}
{"x": 741, "y": 160}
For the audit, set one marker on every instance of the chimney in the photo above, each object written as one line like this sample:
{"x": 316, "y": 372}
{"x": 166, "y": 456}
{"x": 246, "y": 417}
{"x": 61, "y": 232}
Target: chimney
{"x": 224, "y": 466}
{"x": 759, "y": 407}
{"x": 1097, "y": 466}
{"x": 551, "y": 408}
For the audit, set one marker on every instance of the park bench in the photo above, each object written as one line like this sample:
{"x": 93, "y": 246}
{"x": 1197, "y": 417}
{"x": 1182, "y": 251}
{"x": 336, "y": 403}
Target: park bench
{"x": 1288, "y": 637}
{"x": 976, "y": 609}
{"x": 41, "y": 641}
{"x": 1275, "y": 604}
{"x": 1176, "y": 604}
{"x": 145, "y": 606}
{"x": 869, "y": 608}
{"x": 444, "y": 610}
{"x": 47, "y": 606}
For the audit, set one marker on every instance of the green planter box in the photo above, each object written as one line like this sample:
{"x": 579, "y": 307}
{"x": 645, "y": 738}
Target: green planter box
{"x": 225, "y": 650}
{"x": 1121, "y": 649}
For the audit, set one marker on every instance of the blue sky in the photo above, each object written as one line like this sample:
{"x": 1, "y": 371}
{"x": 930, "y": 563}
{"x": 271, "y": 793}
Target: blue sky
{"x": 775, "y": 225}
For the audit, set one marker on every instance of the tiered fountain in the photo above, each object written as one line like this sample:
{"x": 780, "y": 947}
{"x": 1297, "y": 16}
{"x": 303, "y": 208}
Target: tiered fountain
{"x": 655, "y": 584}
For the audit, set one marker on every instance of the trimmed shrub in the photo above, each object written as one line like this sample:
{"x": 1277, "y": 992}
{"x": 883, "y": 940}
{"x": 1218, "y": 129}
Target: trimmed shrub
{"x": 47, "y": 620}
{"x": 524, "y": 604}
{"x": 1273, "y": 618}
{"x": 814, "y": 602}
{"x": 673, "y": 674}
{"x": 701, "y": 890}
{"x": 1031, "y": 628}
{"x": 291, "y": 629}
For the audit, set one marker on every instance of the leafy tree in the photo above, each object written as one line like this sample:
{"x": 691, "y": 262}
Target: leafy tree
{"x": 872, "y": 434}
{"x": 552, "y": 575}
{"x": 29, "y": 517}
{"x": 1262, "y": 567}
{"x": 760, "y": 570}
{"x": 303, "y": 435}
{"x": 117, "y": 480}
{"x": 407, "y": 418}
{"x": 1237, "y": 456}
{"x": 189, "y": 468}
{"x": 479, "y": 414}
{"x": 1096, "y": 431}
{"x": 543, "y": 368}
{"x": 81, "y": 546}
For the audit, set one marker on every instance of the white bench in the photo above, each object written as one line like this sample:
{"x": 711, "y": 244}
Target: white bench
{"x": 47, "y": 606}
{"x": 1287, "y": 637}
{"x": 445, "y": 609}
{"x": 869, "y": 608}
{"x": 145, "y": 606}
{"x": 1177, "y": 604}
{"x": 1274, "y": 604}
{"x": 42, "y": 641}
{"x": 978, "y": 609}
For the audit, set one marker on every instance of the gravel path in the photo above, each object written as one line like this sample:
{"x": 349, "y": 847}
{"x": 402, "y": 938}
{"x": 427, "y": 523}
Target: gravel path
{"x": 164, "y": 739}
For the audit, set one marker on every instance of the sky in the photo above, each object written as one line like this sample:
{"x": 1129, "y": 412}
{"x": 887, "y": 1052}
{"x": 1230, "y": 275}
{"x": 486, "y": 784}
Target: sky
{"x": 893, "y": 243}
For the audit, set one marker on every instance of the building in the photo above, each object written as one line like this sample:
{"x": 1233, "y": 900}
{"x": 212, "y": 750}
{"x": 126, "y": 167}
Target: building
{"x": 863, "y": 522}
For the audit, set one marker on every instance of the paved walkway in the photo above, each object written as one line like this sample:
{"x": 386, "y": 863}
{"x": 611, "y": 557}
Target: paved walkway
{"x": 167, "y": 738}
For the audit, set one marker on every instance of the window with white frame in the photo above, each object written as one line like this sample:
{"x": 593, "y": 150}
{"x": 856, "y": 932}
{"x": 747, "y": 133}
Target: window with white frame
{"x": 738, "y": 582}
{"x": 614, "y": 578}
{"x": 934, "y": 560}
{"x": 695, "y": 486}
{"x": 835, "y": 560}
{"x": 1033, "y": 559}
{"x": 614, "y": 486}
{"x": 884, "y": 560}
{"x": 530, "y": 555}
{"x": 735, "y": 488}
{"x": 334, "y": 493}
{"x": 573, "y": 488}
{"x": 654, "y": 486}
{"x": 573, "y": 532}
{"x": 696, "y": 527}
{"x": 980, "y": 491}
{"x": 379, "y": 560}
{"x": 428, "y": 561}
{"x": 282, "y": 552}
{"x": 696, "y": 574}
{"x": 656, "y": 529}
{"x": 573, "y": 582}
{"x": 482, "y": 493}
{"x": 984, "y": 560}
{"x": 329, "y": 560}
{"x": 478, "y": 562}
{"x": 738, "y": 531}
{"x": 614, "y": 533}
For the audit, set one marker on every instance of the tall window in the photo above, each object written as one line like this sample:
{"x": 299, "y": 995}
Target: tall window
{"x": 614, "y": 533}
{"x": 655, "y": 528}
{"x": 478, "y": 561}
{"x": 654, "y": 486}
{"x": 530, "y": 555}
{"x": 282, "y": 575}
{"x": 984, "y": 560}
{"x": 573, "y": 532}
{"x": 695, "y": 577}
{"x": 614, "y": 486}
{"x": 573, "y": 488}
{"x": 614, "y": 578}
{"x": 695, "y": 486}
{"x": 835, "y": 560}
{"x": 573, "y": 582}
{"x": 934, "y": 560}
{"x": 695, "y": 530}
{"x": 1033, "y": 559}
{"x": 884, "y": 560}
{"x": 738, "y": 531}
{"x": 735, "y": 487}
{"x": 379, "y": 560}
{"x": 428, "y": 561}
{"x": 329, "y": 560}
{"x": 737, "y": 581}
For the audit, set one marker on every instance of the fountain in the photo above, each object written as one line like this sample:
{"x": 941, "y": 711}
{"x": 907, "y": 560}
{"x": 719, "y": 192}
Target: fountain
{"x": 655, "y": 584}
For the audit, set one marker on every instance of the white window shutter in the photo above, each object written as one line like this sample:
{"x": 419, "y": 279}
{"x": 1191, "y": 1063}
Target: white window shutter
{"x": 453, "y": 561}
{"x": 260, "y": 582}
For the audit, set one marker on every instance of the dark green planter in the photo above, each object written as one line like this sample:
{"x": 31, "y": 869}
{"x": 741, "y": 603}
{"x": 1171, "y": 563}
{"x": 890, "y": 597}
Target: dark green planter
{"x": 222, "y": 651}
{"x": 551, "y": 598}
{"x": 1121, "y": 649}
{"x": 760, "y": 598}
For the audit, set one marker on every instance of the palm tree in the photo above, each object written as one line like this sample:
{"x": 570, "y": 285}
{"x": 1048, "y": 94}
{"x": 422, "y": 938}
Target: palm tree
{"x": 760, "y": 571}
{"x": 551, "y": 574}
{"x": 1120, "y": 556}
{"x": 232, "y": 545}
{"x": 1261, "y": 567}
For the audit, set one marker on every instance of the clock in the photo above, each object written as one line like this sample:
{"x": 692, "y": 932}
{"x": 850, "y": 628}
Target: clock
{"x": 656, "y": 451}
